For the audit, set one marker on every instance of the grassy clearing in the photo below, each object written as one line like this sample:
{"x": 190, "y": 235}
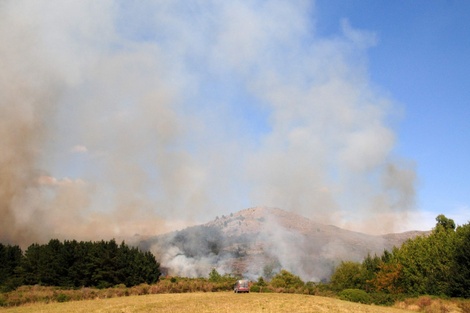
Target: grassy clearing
{"x": 207, "y": 302}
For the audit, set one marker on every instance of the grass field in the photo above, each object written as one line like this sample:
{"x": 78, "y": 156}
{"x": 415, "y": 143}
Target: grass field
{"x": 206, "y": 302}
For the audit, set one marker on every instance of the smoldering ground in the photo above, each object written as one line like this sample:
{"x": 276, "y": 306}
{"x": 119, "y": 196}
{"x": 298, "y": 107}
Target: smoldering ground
{"x": 140, "y": 118}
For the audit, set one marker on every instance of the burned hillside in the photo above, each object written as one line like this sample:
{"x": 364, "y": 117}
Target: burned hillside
{"x": 257, "y": 241}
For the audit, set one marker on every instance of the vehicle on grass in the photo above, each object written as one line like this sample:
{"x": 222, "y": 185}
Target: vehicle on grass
{"x": 241, "y": 286}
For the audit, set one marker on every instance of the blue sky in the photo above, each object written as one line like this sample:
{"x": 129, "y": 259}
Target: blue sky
{"x": 146, "y": 117}
{"x": 421, "y": 59}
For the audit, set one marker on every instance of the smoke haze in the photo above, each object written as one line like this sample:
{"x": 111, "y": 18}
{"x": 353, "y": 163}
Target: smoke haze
{"x": 259, "y": 242}
{"x": 122, "y": 118}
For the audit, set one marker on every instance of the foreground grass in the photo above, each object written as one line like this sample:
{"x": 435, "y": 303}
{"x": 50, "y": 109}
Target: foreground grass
{"x": 207, "y": 302}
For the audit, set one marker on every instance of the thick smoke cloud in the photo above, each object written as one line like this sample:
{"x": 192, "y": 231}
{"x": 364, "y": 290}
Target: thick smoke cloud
{"x": 124, "y": 118}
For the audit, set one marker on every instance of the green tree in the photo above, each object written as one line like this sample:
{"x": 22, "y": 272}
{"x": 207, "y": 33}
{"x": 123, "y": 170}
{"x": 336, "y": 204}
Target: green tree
{"x": 446, "y": 223}
{"x": 54, "y": 265}
{"x": 214, "y": 276}
{"x": 348, "y": 275}
{"x": 427, "y": 260}
{"x": 421, "y": 265}
{"x": 32, "y": 264}
{"x": 99, "y": 264}
{"x": 369, "y": 269}
{"x": 285, "y": 279}
{"x": 10, "y": 261}
{"x": 104, "y": 258}
{"x": 460, "y": 270}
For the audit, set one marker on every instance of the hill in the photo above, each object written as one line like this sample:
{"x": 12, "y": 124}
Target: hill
{"x": 260, "y": 241}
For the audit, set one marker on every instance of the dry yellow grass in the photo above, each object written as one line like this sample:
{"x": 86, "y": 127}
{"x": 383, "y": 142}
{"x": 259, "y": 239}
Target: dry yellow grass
{"x": 207, "y": 302}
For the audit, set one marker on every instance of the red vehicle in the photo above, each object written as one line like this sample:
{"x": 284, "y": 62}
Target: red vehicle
{"x": 241, "y": 286}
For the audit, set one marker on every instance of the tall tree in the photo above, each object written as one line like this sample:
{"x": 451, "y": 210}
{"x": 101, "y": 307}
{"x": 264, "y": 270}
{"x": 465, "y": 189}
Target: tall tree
{"x": 348, "y": 275}
{"x": 100, "y": 264}
{"x": 10, "y": 261}
{"x": 424, "y": 262}
{"x": 460, "y": 271}
{"x": 444, "y": 222}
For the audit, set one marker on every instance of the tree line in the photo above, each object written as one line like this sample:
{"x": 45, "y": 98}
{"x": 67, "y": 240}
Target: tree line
{"x": 437, "y": 264}
{"x": 72, "y": 264}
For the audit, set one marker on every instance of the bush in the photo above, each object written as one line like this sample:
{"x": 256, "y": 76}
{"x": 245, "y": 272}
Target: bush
{"x": 381, "y": 298}
{"x": 285, "y": 279}
{"x": 310, "y": 288}
{"x": 355, "y": 295}
{"x": 348, "y": 275}
{"x": 61, "y": 297}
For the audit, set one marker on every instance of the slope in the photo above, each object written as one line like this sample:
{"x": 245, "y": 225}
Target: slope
{"x": 260, "y": 241}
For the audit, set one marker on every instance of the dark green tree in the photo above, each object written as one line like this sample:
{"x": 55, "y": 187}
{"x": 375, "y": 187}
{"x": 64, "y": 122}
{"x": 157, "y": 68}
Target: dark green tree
{"x": 104, "y": 258}
{"x": 460, "y": 270}
{"x": 10, "y": 261}
{"x": 32, "y": 265}
{"x": 100, "y": 264}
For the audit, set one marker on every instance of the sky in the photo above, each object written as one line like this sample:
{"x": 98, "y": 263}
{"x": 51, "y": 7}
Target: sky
{"x": 421, "y": 61}
{"x": 121, "y": 118}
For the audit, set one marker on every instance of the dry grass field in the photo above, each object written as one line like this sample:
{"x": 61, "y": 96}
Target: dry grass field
{"x": 206, "y": 302}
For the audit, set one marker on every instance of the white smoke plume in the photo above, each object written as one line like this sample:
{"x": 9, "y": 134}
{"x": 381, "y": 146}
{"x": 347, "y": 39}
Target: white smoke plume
{"x": 119, "y": 118}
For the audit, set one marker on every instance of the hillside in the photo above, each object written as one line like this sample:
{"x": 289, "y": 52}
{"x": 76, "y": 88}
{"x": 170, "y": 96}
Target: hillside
{"x": 260, "y": 241}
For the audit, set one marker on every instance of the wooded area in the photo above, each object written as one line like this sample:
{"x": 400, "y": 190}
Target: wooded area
{"x": 438, "y": 264}
{"x": 76, "y": 264}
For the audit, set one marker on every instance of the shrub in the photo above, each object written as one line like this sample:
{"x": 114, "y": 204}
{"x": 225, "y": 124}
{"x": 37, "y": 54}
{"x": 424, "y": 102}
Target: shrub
{"x": 355, "y": 295}
{"x": 310, "y": 288}
{"x": 61, "y": 297}
{"x": 285, "y": 279}
{"x": 381, "y": 298}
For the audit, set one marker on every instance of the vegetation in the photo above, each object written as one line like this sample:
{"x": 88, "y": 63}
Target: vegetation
{"x": 285, "y": 279}
{"x": 355, "y": 295}
{"x": 75, "y": 264}
{"x": 348, "y": 275}
{"x": 438, "y": 264}
{"x": 207, "y": 302}
{"x": 419, "y": 275}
